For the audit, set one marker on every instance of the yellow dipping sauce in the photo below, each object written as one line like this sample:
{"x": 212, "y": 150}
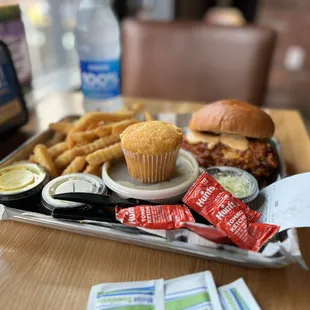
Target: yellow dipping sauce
{"x": 20, "y": 177}
{"x": 16, "y": 179}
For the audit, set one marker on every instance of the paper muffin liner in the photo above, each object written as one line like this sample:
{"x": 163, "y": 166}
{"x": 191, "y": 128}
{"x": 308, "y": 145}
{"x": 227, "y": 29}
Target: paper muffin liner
{"x": 151, "y": 168}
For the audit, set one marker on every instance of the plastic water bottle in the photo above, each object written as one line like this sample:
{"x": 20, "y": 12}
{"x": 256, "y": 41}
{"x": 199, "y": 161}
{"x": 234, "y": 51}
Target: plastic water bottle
{"x": 97, "y": 37}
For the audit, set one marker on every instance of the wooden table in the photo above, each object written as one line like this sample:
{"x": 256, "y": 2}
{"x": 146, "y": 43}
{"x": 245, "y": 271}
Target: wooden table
{"x": 41, "y": 268}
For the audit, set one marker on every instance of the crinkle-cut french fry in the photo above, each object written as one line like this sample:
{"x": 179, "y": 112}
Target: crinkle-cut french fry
{"x": 82, "y": 143}
{"x": 80, "y": 125}
{"x": 65, "y": 158}
{"x": 56, "y": 138}
{"x": 96, "y": 170}
{"x": 83, "y": 123}
{"x": 103, "y": 131}
{"x": 137, "y": 107}
{"x": 119, "y": 127}
{"x": 57, "y": 149}
{"x": 90, "y": 117}
{"x": 70, "y": 141}
{"x": 148, "y": 116}
{"x": 100, "y": 143}
{"x": 77, "y": 165}
{"x": 81, "y": 136}
{"x": 111, "y": 152}
{"x": 32, "y": 159}
{"x": 63, "y": 127}
{"x": 95, "y": 124}
{"x": 44, "y": 159}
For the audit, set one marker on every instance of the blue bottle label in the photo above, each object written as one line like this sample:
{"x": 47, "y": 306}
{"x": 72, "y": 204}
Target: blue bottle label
{"x": 100, "y": 79}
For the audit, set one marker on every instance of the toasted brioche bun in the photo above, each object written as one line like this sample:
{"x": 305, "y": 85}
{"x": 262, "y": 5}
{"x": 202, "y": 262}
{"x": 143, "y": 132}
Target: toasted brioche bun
{"x": 235, "y": 117}
{"x": 225, "y": 16}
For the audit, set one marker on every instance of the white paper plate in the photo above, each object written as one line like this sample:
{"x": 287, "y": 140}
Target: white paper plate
{"x": 117, "y": 178}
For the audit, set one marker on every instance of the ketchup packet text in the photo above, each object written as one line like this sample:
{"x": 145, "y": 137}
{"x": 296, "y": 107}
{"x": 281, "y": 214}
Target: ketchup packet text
{"x": 228, "y": 213}
{"x": 206, "y": 191}
{"x": 155, "y": 217}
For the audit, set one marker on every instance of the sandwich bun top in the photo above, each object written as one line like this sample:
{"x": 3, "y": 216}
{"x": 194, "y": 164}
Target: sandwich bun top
{"x": 235, "y": 117}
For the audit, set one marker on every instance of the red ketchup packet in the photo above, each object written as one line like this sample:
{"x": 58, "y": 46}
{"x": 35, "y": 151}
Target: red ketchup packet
{"x": 155, "y": 217}
{"x": 208, "y": 198}
{"x": 262, "y": 232}
{"x": 207, "y": 190}
{"x": 209, "y": 232}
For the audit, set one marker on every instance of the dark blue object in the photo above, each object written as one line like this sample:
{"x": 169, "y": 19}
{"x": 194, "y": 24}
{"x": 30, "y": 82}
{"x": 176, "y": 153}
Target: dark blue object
{"x": 13, "y": 111}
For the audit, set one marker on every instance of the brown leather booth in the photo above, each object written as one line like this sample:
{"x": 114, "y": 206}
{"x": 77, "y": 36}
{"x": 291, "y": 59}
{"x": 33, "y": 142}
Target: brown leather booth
{"x": 194, "y": 61}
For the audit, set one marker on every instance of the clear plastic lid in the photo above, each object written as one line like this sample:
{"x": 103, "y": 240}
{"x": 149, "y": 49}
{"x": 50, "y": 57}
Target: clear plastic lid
{"x": 76, "y": 182}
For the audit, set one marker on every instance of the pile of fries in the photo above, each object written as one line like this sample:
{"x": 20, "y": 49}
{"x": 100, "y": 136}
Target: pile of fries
{"x": 84, "y": 146}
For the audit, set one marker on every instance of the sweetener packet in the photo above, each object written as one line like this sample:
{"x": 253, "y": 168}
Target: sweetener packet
{"x": 127, "y": 295}
{"x": 237, "y": 295}
{"x": 155, "y": 217}
{"x": 228, "y": 213}
{"x": 194, "y": 291}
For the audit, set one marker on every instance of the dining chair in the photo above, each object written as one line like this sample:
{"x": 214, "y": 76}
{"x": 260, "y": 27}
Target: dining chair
{"x": 189, "y": 60}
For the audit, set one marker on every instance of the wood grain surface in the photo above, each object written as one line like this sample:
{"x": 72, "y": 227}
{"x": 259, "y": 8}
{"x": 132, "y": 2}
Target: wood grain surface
{"x": 41, "y": 268}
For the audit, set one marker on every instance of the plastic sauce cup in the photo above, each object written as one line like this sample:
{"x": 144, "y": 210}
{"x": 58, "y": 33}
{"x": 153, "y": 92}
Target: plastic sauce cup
{"x": 238, "y": 182}
{"x": 21, "y": 185}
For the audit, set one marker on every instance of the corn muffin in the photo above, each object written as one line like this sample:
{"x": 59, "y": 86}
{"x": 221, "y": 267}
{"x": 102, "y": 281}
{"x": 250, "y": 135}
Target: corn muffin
{"x": 151, "y": 150}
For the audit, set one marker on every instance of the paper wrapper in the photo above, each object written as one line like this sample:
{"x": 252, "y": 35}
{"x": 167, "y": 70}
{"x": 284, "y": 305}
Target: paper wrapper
{"x": 151, "y": 168}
